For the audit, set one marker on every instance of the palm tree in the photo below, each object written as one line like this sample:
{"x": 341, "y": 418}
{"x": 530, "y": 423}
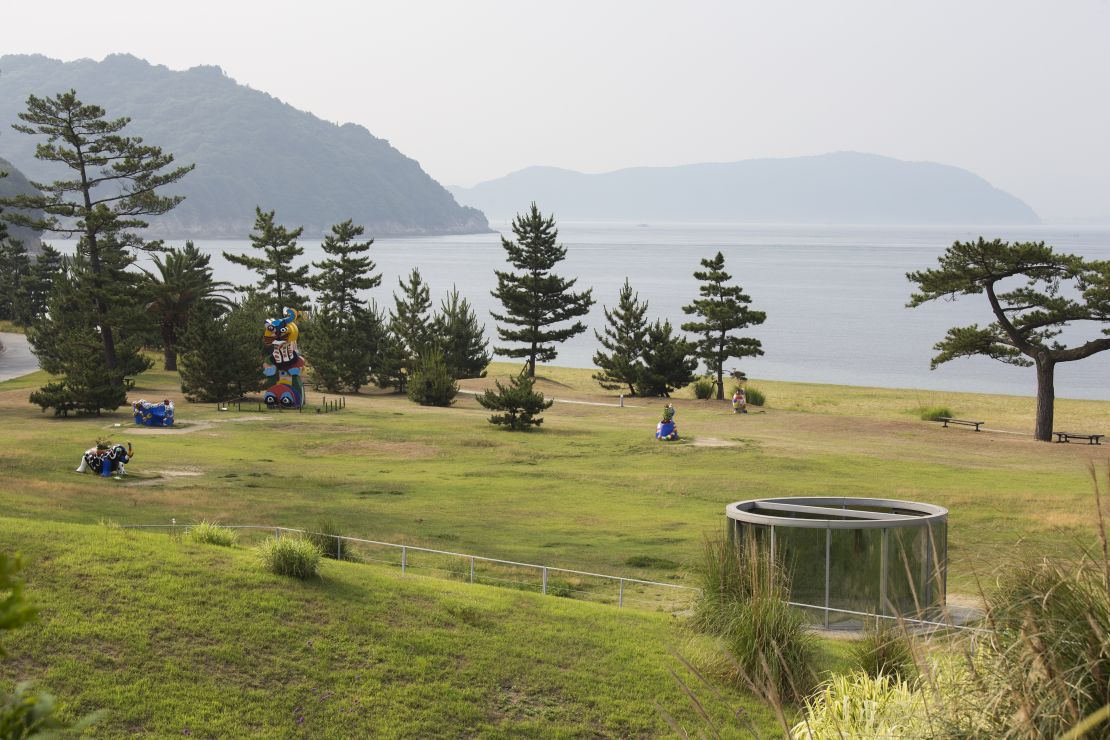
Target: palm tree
{"x": 183, "y": 283}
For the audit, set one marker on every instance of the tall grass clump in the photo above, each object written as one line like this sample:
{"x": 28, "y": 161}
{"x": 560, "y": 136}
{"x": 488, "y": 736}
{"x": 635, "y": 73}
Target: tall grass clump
{"x": 210, "y": 533}
{"x": 934, "y": 413}
{"x": 885, "y": 650}
{"x": 703, "y": 388}
{"x": 856, "y": 705}
{"x": 754, "y": 396}
{"x": 296, "y": 557}
{"x": 743, "y": 603}
{"x": 326, "y": 540}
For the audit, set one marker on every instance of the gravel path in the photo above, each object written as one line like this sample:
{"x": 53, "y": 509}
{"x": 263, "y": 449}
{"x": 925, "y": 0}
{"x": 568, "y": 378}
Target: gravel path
{"x": 16, "y": 359}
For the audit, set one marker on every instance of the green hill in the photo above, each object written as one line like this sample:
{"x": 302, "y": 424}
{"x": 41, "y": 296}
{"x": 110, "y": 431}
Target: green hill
{"x": 176, "y": 638}
{"x": 249, "y": 147}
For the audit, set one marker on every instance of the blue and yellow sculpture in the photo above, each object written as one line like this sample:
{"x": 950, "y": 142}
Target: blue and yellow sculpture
{"x": 153, "y": 414}
{"x": 283, "y": 364}
{"x": 106, "y": 459}
{"x": 665, "y": 430}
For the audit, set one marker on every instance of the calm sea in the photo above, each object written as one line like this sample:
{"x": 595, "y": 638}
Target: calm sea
{"x": 834, "y": 296}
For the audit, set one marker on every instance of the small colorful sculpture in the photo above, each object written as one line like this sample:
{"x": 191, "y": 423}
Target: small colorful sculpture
{"x": 665, "y": 430}
{"x": 283, "y": 364}
{"x": 153, "y": 414}
{"x": 106, "y": 459}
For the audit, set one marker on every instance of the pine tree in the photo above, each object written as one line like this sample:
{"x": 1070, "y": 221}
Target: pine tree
{"x": 181, "y": 285}
{"x": 410, "y": 324}
{"x": 15, "y": 270}
{"x": 668, "y": 362}
{"x": 461, "y": 338}
{"x": 520, "y": 403}
{"x": 113, "y": 185}
{"x": 221, "y": 353}
{"x": 278, "y": 278}
{"x": 535, "y": 300}
{"x": 722, "y": 309}
{"x": 432, "y": 383}
{"x": 625, "y": 338}
{"x": 339, "y": 280}
{"x": 34, "y": 290}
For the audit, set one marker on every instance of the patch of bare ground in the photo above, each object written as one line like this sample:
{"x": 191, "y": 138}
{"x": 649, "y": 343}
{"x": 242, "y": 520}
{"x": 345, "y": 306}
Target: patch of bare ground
{"x": 412, "y": 450}
{"x": 713, "y": 442}
{"x": 164, "y": 476}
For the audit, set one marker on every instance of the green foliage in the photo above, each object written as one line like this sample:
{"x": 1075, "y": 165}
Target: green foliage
{"x": 858, "y": 705}
{"x": 113, "y": 184}
{"x": 668, "y": 362}
{"x": 183, "y": 284}
{"x": 743, "y": 602}
{"x": 295, "y": 557}
{"x": 15, "y": 270}
{"x": 431, "y": 383}
{"x": 210, "y": 533}
{"x": 704, "y": 387}
{"x": 885, "y": 650}
{"x": 754, "y": 396}
{"x": 534, "y": 299}
{"x": 349, "y": 271}
{"x": 625, "y": 339}
{"x": 221, "y": 355}
{"x": 1056, "y": 291}
{"x": 722, "y": 309}
{"x": 520, "y": 403}
{"x": 279, "y": 280}
{"x": 33, "y": 291}
{"x": 457, "y": 332}
{"x": 410, "y": 327}
{"x": 14, "y": 609}
{"x": 325, "y": 540}
{"x": 934, "y": 413}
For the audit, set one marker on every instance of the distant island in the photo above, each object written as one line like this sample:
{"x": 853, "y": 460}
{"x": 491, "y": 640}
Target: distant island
{"x": 839, "y": 188}
{"x": 249, "y": 147}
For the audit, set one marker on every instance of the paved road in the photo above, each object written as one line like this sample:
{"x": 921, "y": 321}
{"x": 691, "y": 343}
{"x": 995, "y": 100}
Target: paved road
{"x": 16, "y": 359}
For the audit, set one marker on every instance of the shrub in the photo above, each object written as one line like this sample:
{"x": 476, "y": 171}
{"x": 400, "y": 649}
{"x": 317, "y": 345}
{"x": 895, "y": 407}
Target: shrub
{"x": 743, "y": 602}
{"x": 885, "y": 650}
{"x": 431, "y": 383}
{"x": 703, "y": 388}
{"x": 519, "y": 402}
{"x": 326, "y": 542}
{"x": 859, "y": 705}
{"x": 290, "y": 556}
{"x": 755, "y": 396}
{"x": 210, "y": 533}
{"x": 933, "y": 413}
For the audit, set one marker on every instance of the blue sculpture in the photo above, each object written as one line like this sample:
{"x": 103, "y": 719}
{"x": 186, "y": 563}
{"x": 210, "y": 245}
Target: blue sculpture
{"x": 153, "y": 414}
{"x": 665, "y": 430}
{"x": 106, "y": 459}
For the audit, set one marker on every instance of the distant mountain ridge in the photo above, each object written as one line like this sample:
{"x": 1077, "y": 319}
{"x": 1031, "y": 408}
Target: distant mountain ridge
{"x": 249, "y": 147}
{"x": 838, "y": 188}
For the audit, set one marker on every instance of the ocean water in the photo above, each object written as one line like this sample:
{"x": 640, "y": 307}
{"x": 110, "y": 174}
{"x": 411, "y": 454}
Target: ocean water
{"x": 835, "y": 296}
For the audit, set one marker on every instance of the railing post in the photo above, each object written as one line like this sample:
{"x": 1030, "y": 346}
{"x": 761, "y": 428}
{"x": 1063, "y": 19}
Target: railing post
{"x": 620, "y": 594}
{"x": 277, "y": 533}
{"x": 545, "y": 580}
{"x": 404, "y": 559}
{"x": 338, "y": 547}
{"x": 472, "y": 569}
{"x": 828, "y": 565}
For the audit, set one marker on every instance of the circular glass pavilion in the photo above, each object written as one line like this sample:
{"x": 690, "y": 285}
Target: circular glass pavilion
{"x": 851, "y": 557}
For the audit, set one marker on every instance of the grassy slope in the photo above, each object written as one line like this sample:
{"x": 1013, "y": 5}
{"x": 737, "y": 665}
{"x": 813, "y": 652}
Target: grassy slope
{"x": 593, "y": 490}
{"x": 170, "y": 637}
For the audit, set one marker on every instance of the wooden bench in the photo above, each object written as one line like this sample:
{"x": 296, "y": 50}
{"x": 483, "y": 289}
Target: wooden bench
{"x": 949, "y": 420}
{"x": 1092, "y": 439}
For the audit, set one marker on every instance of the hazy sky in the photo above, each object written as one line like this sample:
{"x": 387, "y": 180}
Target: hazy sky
{"x": 1018, "y": 92}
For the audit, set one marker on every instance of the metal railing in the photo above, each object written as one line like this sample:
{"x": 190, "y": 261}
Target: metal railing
{"x": 544, "y": 579}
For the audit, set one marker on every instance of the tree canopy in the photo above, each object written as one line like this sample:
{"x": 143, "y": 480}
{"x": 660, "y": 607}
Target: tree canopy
{"x": 1034, "y": 294}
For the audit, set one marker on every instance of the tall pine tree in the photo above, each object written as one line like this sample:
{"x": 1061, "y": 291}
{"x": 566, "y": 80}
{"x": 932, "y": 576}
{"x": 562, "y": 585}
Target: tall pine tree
{"x": 669, "y": 361}
{"x": 722, "y": 309}
{"x": 410, "y": 325}
{"x": 624, "y": 339}
{"x": 113, "y": 185}
{"x": 458, "y": 334}
{"x": 350, "y": 271}
{"x": 278, "y": 278}
{"x": 534, "y": 299}
{"x": 34, "y": 290}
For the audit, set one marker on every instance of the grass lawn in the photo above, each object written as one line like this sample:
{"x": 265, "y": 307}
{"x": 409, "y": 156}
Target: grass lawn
{"x": 592, "y": 490}
{"x": 175, "y": 638}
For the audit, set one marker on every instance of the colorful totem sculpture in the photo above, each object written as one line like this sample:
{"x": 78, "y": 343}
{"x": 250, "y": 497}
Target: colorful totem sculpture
{"x": 153, "y": 414}
{"x": 283, "y": 364}
{"x": 106, "y": 459}
{"x": 666, "y": 430}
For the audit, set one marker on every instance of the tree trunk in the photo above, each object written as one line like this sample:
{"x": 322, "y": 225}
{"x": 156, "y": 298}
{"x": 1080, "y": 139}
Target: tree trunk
{"x": 721, "y": 382}
{"x": 169, "y": 347}
{"x": 1046, "y": 397}
{"x": 532, "y": 362}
